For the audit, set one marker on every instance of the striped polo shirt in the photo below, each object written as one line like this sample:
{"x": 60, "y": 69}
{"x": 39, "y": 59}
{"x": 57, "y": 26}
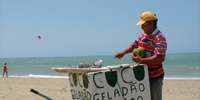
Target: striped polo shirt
{"x": 154, "y": 44}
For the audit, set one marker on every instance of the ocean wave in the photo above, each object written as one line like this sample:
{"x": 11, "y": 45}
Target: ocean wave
{"x": 56, "y": 76}
{"x": 182, "y": 78}
{"x": 37, "y": 76}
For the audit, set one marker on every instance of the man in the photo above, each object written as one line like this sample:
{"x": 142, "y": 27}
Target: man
{"x": 5, "y": 70}
{"x": 155, "y": 45}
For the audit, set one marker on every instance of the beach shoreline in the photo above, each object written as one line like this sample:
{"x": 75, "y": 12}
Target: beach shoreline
{"x": 59, "y": 89}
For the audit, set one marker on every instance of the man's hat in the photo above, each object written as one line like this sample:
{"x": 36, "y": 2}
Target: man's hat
{"x": 146, "y": 16}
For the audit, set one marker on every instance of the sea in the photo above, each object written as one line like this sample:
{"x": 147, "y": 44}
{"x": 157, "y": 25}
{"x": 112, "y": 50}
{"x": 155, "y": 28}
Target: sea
{"x": 176, "y": 65}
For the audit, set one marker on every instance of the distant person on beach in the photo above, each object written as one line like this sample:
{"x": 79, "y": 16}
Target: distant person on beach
{"x": 5, "y": 70}
{"x": 155, "y": 45}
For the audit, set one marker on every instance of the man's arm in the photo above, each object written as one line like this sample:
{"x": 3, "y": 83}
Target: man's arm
{"x": 149, "y": 60}
{"x": 126, "y": 51}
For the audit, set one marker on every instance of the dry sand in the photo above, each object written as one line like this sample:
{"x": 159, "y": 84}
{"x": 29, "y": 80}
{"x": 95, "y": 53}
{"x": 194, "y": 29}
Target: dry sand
{"x": 58, "y": 89}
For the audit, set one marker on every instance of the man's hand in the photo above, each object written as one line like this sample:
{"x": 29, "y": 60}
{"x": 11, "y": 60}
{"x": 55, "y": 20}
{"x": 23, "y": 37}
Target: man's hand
{"x": 119, "y": 55}
{"x": 126, "y": 51}
{"x": 150, "y": 60}
{"x": 137, "y": 59}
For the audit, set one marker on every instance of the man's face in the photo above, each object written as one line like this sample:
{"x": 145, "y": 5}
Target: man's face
{"x": 147, "y": 27}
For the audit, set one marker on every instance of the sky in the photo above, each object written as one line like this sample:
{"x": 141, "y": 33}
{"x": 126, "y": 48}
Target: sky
{"x": 92, "y": 27}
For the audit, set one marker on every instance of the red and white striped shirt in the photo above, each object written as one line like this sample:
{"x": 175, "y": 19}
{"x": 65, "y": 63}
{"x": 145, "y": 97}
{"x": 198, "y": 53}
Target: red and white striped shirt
{"x": 154, "y": 44}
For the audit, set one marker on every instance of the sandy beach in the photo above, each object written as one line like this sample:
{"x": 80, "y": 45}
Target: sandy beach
{"x": 58, "y": 89}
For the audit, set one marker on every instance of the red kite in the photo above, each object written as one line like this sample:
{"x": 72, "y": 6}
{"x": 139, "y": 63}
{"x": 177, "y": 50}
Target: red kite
{"x": 39, "y": 37}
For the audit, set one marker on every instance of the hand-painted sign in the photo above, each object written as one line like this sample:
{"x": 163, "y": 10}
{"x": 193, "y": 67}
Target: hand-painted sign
{"x": 129, "y": 83}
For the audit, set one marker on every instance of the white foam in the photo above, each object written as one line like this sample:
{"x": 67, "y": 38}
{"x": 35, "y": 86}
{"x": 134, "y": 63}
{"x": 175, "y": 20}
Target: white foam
{"x": 182, "y": 78}
{"x": 56, "y": 76}
{"x": 37, "y": 76}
